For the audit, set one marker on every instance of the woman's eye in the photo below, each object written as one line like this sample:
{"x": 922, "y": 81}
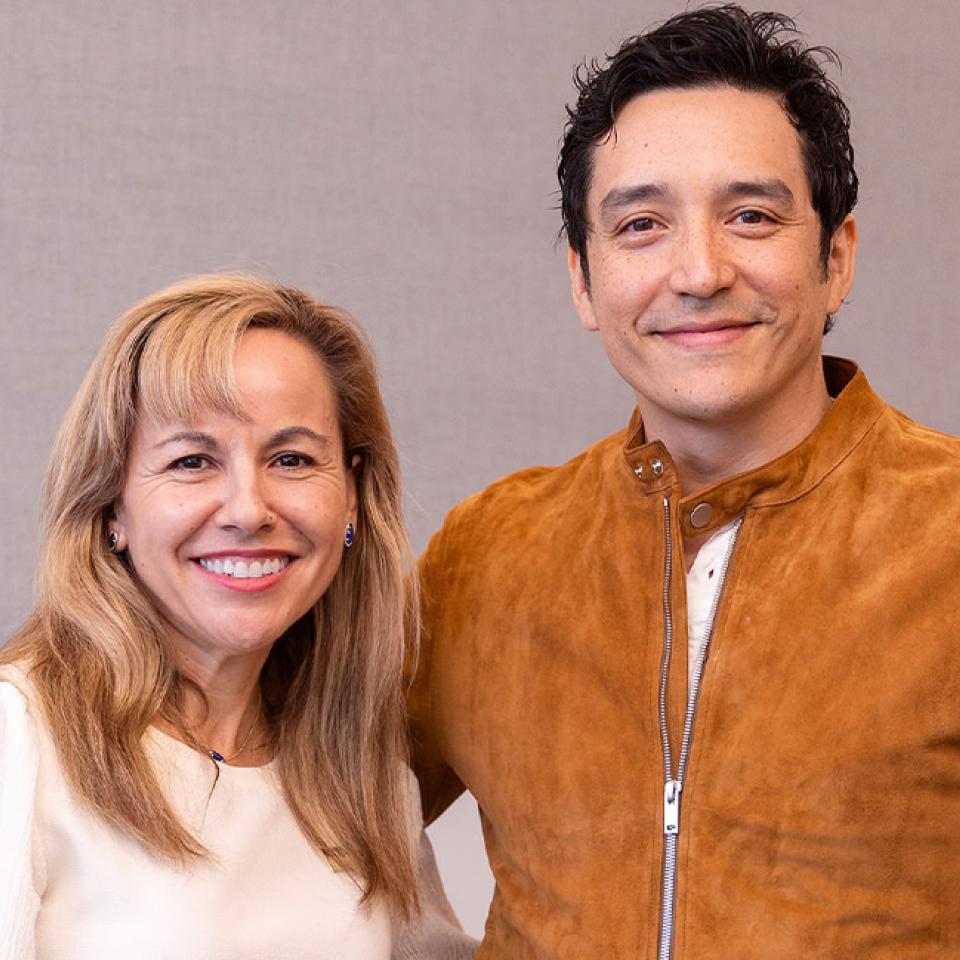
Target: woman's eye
{"x": 193, "y": 461}
{"x": 291, "y": 461}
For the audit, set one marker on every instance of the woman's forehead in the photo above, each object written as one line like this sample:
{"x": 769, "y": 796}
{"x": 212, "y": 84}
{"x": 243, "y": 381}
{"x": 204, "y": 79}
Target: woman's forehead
{"x": 270, "y": 379}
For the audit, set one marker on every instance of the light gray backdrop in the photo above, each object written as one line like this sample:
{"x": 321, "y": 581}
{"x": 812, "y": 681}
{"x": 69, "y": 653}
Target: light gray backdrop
{"x": 397, "y": 158}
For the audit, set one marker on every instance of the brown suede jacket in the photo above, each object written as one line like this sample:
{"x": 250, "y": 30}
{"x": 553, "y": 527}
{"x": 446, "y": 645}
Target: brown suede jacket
{"x": 821, "y": 800}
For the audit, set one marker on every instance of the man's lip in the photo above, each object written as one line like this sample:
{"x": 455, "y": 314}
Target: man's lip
{"x": 705, "y": 337}
{"x": 709, "y": 327}
{"x": 260, "y": 554}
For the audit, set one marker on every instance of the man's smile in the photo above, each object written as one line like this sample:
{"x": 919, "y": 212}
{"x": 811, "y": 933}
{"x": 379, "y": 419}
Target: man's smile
{"x": 706, "y": 335}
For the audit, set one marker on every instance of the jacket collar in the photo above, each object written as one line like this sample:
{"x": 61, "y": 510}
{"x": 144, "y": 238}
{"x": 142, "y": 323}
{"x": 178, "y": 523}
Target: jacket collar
{"x": 855, "y": 410}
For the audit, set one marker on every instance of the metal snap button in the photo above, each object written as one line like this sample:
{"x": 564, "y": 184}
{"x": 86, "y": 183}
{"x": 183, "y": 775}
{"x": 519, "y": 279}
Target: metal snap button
{"x": 657, "y": 465}
{"x": 701, "y": 515}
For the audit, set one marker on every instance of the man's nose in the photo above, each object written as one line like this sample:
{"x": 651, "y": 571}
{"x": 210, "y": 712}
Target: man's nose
{"x": 244, "y": 506}
{"x": 702, "y": 265}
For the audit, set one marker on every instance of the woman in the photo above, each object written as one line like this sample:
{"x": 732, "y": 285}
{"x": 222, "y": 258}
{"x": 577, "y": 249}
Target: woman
{"x": 201, "y": 725}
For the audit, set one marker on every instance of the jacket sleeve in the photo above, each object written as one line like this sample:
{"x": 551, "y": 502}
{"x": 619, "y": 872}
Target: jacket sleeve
{"x": 19, "y": 763}
{"x": 439, "y": 784}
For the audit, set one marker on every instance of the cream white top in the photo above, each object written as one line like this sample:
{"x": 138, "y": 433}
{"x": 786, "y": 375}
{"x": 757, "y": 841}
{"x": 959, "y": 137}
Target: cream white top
{"x": 74, "y": 888}
{"x": 703, "y": 581}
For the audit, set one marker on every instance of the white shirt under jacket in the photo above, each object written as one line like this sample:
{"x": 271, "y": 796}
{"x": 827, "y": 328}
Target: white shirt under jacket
{"x": 703, "y": 582}
{"x": 74, "y": 888}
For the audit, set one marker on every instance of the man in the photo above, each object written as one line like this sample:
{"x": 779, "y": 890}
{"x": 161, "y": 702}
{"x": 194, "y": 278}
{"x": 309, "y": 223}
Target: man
{"x": 701, "y": 679}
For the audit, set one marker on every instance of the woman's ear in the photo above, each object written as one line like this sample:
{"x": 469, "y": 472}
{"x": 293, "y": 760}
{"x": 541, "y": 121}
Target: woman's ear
{"x": 117, "y": 530}
{"x": 353, "y": 479}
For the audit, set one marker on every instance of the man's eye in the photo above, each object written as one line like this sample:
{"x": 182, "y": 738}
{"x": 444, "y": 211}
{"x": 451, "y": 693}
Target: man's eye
{"x": 193, "y": 461}
{"x": 751, "y": 217}
{"x": 640, "y": 225}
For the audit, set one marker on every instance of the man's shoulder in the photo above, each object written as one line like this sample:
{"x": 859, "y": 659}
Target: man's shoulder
{"x": 918, "y": 448}
{"x": 535, "y": 494}
{"x": 901, "y": 468}
{"x": 914, "y": 431}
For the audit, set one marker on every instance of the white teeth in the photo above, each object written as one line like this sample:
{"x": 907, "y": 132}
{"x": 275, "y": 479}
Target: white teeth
{"x": 244, "y": 570}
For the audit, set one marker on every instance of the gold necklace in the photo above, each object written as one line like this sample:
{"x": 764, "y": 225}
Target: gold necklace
{"x": 218, "y": 756}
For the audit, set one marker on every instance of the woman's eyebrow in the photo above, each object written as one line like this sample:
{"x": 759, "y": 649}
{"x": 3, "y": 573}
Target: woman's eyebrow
{"x": 298, "y": 433}
{"x": 189, "y": 436}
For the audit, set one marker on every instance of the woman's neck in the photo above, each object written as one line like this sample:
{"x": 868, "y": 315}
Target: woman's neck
{"x": 222, "y": 708}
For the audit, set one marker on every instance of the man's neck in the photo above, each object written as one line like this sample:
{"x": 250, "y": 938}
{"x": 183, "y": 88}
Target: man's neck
{"x": 706, "y": 452}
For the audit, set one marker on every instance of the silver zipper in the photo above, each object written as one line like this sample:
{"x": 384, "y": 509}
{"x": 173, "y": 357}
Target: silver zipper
{"x": 673, "y": 785}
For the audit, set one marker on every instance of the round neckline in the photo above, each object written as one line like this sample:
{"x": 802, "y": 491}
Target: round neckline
{"x": 163, "y": 737}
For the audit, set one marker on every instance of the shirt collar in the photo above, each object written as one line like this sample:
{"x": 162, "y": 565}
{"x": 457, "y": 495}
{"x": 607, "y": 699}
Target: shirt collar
{"x": 855, "y": 410}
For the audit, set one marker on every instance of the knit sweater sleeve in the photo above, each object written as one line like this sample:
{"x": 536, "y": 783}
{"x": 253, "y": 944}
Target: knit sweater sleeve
{"x": 19, "y": 764}
{"x": 436, "y": 933}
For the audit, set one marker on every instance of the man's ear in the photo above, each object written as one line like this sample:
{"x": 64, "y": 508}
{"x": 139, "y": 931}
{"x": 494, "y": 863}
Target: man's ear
{"x": 841, "y": 263}
{"x": 580, "y": 290}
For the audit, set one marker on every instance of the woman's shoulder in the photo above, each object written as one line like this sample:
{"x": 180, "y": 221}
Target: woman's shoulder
{"x": 18, "y": 730}
{"x": 16, "y": 691}
{"x": 23, "y": 873}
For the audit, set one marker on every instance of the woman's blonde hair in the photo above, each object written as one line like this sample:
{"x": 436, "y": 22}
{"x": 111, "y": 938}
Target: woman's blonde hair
{"x": 332, "y": 684}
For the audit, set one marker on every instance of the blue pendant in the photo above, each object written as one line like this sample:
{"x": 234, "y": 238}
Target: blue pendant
{"x": 215, "y": 756}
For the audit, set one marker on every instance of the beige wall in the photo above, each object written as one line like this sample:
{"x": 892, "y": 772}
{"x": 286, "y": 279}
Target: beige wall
{"x": 397, "y": 158}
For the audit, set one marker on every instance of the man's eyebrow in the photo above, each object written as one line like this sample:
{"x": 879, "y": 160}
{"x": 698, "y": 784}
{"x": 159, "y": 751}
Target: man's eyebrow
{"x": 620, "y": 197}
{"x": 189, "y": 436}
{"x": 298, "y": 433}
{"x": 768, "y": 188}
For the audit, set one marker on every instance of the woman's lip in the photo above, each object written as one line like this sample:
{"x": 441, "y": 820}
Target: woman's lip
{"x": 247, "y": 584}
{"x": 259, "y": 554}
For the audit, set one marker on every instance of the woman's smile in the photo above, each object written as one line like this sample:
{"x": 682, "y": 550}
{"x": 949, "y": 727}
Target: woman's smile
{"x": 243, "y": 572}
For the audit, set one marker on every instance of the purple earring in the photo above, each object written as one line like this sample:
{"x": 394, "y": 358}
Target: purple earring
{"x": 349, "y": 536}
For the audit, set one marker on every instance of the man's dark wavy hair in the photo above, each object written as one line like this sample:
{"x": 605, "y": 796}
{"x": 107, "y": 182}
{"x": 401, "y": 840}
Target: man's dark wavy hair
{"x": 715, "y": 46}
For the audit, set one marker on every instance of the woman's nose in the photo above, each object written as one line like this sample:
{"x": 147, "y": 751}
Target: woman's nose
{"x": 244, "y": 506}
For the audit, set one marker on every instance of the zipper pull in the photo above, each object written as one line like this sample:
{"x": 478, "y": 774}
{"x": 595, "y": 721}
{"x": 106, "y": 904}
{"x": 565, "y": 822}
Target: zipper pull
{"x": 671, "y": 807}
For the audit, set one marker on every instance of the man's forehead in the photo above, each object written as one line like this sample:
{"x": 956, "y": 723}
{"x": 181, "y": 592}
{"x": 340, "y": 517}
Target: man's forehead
{"x": 665, "y": 138}
{"x": 664, "y": 102}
